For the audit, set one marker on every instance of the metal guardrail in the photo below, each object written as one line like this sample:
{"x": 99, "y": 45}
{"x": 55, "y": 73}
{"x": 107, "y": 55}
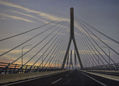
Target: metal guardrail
{"x": 114, "y": 67}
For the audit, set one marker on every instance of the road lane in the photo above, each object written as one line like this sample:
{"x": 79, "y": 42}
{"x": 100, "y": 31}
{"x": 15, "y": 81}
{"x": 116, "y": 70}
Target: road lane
{"x": 76, "y": 78}
{"x": 54, "y": 82}
{"x": 69, "y": 78}
{"x": 95, "y": 80}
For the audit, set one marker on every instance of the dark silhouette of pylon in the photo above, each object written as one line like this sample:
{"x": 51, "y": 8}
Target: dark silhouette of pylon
{"x": 72, "y": 38}
{"x": 75, "y": 62}
{"x": 71, "y": 61}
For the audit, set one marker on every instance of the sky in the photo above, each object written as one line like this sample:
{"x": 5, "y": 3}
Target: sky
{"x": 20, "y": 15}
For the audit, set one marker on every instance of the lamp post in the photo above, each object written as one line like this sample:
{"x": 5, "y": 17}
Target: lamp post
{"x": 109, "y": 57}
{"x": 109, "y": 54}
{"x": 22, "y": 53}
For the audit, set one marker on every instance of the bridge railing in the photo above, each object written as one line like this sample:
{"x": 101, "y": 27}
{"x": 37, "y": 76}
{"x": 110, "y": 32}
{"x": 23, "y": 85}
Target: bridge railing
{"x": 104, "y": 67}
{"x": 15, "y": 68}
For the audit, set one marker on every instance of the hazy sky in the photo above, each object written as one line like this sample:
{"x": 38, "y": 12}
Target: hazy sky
{"x": 20, "y": 15}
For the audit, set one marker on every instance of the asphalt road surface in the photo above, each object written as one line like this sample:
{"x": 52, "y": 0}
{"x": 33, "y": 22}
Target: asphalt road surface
{"x": 69, "y": 78}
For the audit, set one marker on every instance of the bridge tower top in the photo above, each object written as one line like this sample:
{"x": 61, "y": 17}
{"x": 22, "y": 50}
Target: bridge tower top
{"x": 72, "y": 22}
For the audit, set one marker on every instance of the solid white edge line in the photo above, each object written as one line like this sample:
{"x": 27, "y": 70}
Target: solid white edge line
{"x": 95, "y": 80}
{"x": 110, "y": 77}
{"x": 57, "y": 81}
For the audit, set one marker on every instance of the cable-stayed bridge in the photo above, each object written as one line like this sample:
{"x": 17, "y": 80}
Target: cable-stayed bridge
{"x": 56, "y": 57}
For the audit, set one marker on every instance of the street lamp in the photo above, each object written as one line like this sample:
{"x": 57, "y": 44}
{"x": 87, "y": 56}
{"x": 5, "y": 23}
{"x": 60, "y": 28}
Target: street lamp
{"x": 109, "y": 54}
{"x": 22, "y": 53}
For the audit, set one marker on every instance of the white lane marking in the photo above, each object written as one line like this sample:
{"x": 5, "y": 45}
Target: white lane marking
{"x": 57, "y": 81}
{"x": 95, "y": 80}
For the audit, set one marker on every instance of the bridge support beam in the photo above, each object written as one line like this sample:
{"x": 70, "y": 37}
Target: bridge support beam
{"x": 72, "y": 38}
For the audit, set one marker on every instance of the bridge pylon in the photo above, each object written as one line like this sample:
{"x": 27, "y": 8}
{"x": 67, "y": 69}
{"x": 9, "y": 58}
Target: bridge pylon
{"x": 72, "y": 39}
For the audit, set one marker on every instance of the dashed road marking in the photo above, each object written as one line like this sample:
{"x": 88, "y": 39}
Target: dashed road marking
{"x": 57, "y": 81}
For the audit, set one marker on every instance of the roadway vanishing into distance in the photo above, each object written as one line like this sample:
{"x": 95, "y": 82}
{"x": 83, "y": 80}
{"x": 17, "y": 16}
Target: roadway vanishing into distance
{"x": 68, "y": 78}
{"x": 54, "y": 44}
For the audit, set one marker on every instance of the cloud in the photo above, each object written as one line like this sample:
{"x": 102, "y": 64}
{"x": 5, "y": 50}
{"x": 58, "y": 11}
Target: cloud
{"x": 6, "y": 58}
{"x": 1, "y": 18}
{"x": 13, "y": 52}
{"x": 9, "y": 58}
{"x": 23, "y": 14}
{"x": 31, "y": 16}
{"x": 84, "y": 52}
{"x": 42, "y": 14}
{"x": 15, "y": 17}
{"x": 45, "y": 15}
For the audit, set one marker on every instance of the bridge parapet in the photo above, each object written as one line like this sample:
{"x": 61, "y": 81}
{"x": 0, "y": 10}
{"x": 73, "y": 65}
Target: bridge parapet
{"x": 15, "y": 69}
